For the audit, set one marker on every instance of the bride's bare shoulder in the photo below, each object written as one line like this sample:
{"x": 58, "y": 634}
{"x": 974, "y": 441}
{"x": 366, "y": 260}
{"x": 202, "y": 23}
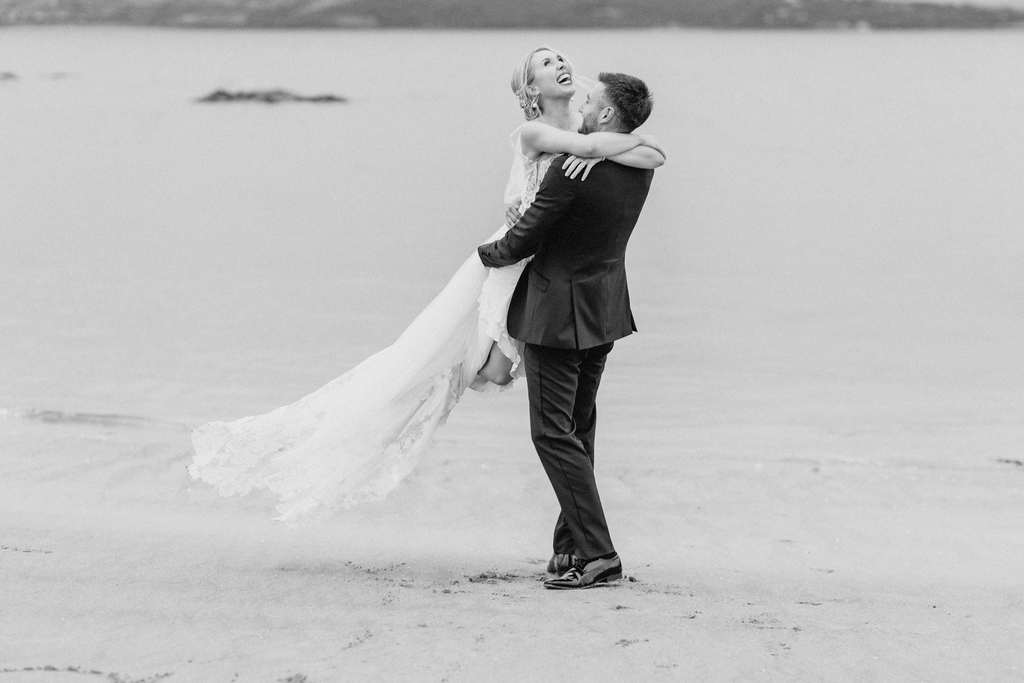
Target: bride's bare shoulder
{"x": 532, "y": 137}
{"x": 535, "y": 128}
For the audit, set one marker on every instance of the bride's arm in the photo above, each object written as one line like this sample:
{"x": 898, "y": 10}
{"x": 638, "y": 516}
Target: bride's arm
{"x": 650, "y": 154}
{"x": 641, "y": 157}
{"x": 538, "y": 138}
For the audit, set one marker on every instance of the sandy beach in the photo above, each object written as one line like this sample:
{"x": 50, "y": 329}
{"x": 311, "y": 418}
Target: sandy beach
{"x": 807, "y": 566}
{"x": 812, "y": 454}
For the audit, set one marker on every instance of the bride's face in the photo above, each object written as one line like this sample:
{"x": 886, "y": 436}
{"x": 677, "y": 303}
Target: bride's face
{"x": 552, "y": 75}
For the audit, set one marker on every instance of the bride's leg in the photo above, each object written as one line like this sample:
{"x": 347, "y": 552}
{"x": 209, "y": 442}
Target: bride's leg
{"x": 498, "y": 368}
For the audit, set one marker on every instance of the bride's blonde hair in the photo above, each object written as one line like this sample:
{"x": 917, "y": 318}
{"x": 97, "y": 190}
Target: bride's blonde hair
{"x": 523, "y": 76}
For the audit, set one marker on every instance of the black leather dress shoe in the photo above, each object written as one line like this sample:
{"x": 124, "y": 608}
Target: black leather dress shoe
{"x": 560, "y": 563}
{"x": 588, "y": 574}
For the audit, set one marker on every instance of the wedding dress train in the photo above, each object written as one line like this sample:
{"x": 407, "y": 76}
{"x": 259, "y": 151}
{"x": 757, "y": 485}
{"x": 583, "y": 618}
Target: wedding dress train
{"x": 354, "y": 439}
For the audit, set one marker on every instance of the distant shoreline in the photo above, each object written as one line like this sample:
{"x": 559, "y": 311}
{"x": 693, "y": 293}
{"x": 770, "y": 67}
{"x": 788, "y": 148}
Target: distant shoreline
{"x": 787, "y": 15}
{"x": 1003, "y": 28}
{"x": 1006, "y": 28}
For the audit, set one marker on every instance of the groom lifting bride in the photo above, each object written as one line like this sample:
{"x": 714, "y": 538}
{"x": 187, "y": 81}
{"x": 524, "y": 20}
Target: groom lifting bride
{"x": 570, "y": 305}
{"x": 355, "y": 438}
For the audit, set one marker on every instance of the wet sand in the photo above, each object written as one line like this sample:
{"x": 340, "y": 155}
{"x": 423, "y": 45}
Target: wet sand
{"x": 808, "y": 565}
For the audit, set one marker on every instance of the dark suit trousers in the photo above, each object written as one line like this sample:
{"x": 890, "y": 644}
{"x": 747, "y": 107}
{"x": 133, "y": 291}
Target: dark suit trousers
{"x": 563, "y": 387}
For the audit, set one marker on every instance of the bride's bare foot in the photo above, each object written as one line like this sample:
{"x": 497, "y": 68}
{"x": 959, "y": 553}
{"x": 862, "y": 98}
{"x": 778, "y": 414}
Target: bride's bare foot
{"x": 498, "y": 368}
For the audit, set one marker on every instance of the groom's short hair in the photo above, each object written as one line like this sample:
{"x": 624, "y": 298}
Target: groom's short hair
{"x": 629, "y": 96}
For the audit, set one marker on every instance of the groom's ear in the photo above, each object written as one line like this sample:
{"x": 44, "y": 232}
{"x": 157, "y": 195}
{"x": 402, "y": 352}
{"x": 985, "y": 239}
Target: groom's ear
{"x": 608, "y": 115}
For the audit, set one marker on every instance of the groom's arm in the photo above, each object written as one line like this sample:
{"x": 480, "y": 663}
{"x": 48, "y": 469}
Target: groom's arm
{"x": 523, "y": 239}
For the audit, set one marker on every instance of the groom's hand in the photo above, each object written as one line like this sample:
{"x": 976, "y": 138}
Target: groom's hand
{"x": 513, "y": 214}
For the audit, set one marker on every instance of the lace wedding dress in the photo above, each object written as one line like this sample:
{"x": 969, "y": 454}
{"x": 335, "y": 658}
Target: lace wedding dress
{"x": 357, "y": 437}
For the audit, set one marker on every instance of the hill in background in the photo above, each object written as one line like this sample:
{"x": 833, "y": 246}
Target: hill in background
{"x": 725, "y": 14}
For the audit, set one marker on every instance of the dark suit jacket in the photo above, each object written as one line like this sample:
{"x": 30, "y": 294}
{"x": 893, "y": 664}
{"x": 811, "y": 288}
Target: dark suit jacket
{"x": 573, "y": 294}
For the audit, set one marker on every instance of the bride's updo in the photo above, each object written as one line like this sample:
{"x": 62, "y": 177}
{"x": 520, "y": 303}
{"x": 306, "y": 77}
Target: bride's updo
{"x": 523, "y": 76}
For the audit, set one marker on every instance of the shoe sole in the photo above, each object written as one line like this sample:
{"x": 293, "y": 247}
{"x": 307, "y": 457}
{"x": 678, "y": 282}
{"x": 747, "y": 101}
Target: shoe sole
{"x": 596, "y": 582}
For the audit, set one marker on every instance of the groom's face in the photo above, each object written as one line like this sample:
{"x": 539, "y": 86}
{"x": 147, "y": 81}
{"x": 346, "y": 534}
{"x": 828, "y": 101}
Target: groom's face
{"x": 592, "y": 109}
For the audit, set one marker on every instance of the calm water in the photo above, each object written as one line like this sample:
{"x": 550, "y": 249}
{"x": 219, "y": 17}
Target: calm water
{"x": 834, "y": 247}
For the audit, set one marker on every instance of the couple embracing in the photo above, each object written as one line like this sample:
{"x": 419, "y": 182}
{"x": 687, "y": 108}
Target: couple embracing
{"x": 546, "y": 297}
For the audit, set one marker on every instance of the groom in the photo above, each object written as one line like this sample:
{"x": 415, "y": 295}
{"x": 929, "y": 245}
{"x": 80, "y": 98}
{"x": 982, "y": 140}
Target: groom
{"x": 570, "y": 305}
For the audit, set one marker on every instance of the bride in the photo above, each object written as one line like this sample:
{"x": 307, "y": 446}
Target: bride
{"x": 355, "y": 438}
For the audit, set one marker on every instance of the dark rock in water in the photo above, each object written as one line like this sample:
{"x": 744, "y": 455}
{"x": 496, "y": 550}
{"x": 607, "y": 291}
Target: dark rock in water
{"x": 8, "y": 76}
{"x": 101, "y": 419}
{"x": 268, "y": 97}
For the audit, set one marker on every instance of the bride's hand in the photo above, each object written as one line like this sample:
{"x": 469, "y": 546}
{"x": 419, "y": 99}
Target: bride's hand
{"x": 512, "y": 213}
{"x": 574, "y": 164}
